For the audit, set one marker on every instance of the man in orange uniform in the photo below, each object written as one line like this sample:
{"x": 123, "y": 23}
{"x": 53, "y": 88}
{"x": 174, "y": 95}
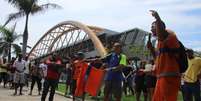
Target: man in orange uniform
{"x": 167, "y": 68}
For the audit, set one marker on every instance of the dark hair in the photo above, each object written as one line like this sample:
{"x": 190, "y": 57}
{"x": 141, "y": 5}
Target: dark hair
{"x": 163, "y": 26}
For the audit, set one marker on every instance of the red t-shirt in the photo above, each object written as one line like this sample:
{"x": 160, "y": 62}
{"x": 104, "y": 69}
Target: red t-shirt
{"x": 53, "y": 69}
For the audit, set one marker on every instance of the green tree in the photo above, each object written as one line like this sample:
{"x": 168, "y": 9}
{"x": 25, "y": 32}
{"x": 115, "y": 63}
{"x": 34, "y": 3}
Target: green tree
{"x": 8, "y": 37}
{"x": 25, "y": 8}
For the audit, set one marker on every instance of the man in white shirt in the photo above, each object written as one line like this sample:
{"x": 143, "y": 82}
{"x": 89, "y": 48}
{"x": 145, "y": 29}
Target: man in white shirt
{"x": 19, "y": 80}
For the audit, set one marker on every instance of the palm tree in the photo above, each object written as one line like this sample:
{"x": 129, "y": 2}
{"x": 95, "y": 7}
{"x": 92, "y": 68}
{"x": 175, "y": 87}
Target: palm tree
{"x": 25, "y": 8}
{"x": 7, "y": 39}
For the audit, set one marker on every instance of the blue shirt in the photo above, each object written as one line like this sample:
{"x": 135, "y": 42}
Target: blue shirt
{"x": 113, "y": 60}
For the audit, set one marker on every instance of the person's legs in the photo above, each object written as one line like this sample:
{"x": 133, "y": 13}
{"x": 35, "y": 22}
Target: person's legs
{"x": 39, "y": 85}
{"x": 16, "y": 85}
{"x": 1, "y": 78}
{"x": 138, "y": 90}
{"x": 107, "y": 90}
{"x": 53, "y": 85}
{"x": 130, "y": 85}
{"x": 21, "y": 87}
{"x": 45, "y": 90}
{"x": 117, "y": 89}
{"x": 32, "y": 84}
{"x": 187, "y": 92}
{"x": 73, "y": 88}
{"x": 16, "y": 82}
{"x": 5, "y": 79}
{"x": 145, "y": 93}
{"x": 21, "y": 82}
{"x": 125, "y": 85}
{"x": 26, "y": 76}
{"x": 196, "y": 91}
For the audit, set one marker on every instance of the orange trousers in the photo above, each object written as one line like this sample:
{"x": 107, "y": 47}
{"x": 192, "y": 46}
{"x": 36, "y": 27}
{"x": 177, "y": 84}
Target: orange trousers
{"x": 166, "y": 89}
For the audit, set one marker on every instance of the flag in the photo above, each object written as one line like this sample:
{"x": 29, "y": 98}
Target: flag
{"x": 94, "y": 81}
{"x": 81, "y": 80}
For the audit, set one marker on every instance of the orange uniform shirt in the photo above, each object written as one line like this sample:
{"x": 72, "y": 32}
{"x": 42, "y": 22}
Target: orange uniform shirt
{"x": 166, "y": 62}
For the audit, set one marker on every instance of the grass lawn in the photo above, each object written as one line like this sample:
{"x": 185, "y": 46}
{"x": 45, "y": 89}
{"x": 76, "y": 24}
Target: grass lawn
{"x": 61, "y": 88}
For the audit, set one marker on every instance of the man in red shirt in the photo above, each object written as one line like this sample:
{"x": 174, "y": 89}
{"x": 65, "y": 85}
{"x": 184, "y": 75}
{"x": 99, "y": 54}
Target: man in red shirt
{"x": 54, "y": 68}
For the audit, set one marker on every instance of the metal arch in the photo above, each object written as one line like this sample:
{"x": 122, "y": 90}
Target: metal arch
{"x": 52, "y": 37}
{"x": 94, "y": 29}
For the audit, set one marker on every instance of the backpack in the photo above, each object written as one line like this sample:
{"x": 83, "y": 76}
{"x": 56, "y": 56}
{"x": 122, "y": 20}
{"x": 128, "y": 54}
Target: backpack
{"x": 182, "y": 60}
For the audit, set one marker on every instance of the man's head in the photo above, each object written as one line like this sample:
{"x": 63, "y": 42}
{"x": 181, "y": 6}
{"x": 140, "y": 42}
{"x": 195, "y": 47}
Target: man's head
{"x": 117, "y": 47}
{"x": 157, "y": 30}
{"x": 190, "y": 53}
{"x": 54, "y": 56}
{"x": 20, "y": 56}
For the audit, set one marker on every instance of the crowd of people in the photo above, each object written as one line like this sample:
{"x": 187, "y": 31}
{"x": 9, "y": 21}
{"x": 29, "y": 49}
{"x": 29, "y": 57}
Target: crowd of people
{"x": 159, "y": 78}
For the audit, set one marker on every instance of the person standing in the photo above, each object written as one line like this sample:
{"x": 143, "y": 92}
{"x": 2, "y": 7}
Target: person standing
{"x": 54, "y": 68}
{"x": 150, "y": 79}
{"x": 36, "y": 75}
{"x": 77, "y": 70}
{"x": 26, "y": 72}
{"x": 68, "y": 78}
{"x": 191, "y": 86}
{"x": 19, "y": 80}
{"x": 167, "y": 68}
{"x": 114, "y": 78}
{"x": 3, "y": 72}
{"x": 43, "y": 66}
{"x": 141, "y": 85}
{"x": 12, "y": 72}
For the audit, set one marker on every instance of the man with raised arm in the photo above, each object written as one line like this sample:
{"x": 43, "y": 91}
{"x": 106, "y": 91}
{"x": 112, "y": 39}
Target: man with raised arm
{"x": 167, "y": 68}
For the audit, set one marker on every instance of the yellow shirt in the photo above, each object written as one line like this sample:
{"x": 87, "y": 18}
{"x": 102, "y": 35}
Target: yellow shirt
{"x": 194, "y": 69}
{"x": 3, "y": 70}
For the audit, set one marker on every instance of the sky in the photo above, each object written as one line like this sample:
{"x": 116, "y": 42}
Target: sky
{"x": 181, "y": 16}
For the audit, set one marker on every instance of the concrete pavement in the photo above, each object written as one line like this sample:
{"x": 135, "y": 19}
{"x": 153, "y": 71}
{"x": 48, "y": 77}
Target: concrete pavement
{"x": 7, "y": 95}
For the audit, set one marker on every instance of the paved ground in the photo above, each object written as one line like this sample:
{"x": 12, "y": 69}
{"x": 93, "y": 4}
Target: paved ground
{"x": 6, "y": 95}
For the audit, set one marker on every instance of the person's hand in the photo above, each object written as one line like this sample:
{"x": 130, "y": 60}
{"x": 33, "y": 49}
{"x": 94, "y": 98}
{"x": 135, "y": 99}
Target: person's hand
{"x": 154, "y": 14}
